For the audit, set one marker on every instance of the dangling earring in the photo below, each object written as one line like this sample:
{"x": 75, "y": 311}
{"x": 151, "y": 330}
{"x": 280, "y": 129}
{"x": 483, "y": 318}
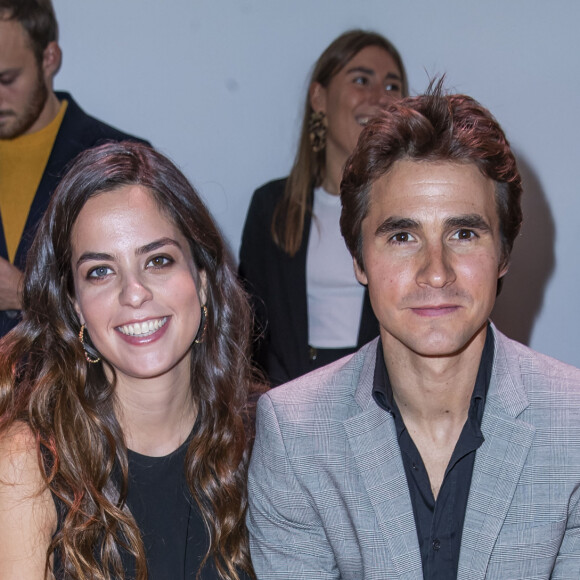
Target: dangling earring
{"x": 87, "y": 355}
{"x": 317, "y": 130}
{"x": 200, "y": 337}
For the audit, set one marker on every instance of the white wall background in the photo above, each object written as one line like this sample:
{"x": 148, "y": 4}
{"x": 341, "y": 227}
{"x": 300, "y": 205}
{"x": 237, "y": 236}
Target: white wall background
{"x": 218, "y": 85}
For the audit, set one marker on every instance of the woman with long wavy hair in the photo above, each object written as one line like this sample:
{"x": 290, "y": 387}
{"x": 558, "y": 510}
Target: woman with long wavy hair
{"x": 123, "y": 391}
{"x": 310, "y": 310}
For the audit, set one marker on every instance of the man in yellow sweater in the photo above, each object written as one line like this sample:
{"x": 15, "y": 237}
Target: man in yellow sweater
{"x": 40, "y": 132}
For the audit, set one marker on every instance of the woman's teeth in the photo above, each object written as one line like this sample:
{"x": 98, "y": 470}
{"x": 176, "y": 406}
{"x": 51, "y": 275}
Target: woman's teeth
{"x": 143, "y": 328}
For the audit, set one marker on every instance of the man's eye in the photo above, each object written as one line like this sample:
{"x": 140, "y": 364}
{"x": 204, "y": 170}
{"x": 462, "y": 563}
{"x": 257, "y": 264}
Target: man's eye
{"x": 402, "y": 237}
{"x": 465, "y": 235}
{"x": 6, "y": 81}
{"x": 99, "y": 272}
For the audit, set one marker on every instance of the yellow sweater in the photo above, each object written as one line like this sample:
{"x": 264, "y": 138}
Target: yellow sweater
{"x": 22, "y": 164}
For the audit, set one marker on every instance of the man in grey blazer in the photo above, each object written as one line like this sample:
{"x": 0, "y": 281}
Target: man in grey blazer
{"x": 442, "y": 449}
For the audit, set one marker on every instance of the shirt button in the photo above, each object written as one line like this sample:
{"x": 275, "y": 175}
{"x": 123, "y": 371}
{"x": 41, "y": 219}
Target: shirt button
{"x": 415, "y": 466}
{"x": 436, "y": 545}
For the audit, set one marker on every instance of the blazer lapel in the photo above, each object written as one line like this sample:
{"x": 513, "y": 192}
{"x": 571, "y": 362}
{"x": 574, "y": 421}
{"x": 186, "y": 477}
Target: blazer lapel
{"x": 373, "y": 441}
{"x": 498, "y": 466}
{"x": 294, "y": 272}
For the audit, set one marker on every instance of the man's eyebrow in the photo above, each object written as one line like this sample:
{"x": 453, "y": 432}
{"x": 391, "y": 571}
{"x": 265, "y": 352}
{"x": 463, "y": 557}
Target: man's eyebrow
{"x": 9, "y": 71}
{"x": 470, "y": 220}
{"x": 151, "y": 247}
{"x": 395, "y": 223}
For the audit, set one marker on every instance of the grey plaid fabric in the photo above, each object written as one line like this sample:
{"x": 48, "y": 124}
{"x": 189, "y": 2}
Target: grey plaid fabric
{"x": 328, "y": 493}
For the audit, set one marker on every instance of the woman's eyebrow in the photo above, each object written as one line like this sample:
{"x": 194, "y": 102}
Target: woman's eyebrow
{"x": 98, "y": 256}
{"x": 151, "y": 247}
{"x": 155, "y": 245}
{"x": 371, "y": 72}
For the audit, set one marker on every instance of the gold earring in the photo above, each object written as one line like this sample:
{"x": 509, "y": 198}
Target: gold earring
{"x": 317, "y": 130}
{"x": 87, "y": 355}
{"x": 201, "y": 335}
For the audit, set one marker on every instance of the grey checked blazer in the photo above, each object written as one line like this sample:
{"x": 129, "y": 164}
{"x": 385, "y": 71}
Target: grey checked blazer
{"x": 329, "y": 497}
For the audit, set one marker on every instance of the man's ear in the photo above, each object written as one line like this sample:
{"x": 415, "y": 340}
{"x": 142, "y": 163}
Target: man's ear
{"x": 317, "y": 95}
{"x": 504, "y": 266}
{"x": 51, "y": 61}
{"x": 360, "y": 273}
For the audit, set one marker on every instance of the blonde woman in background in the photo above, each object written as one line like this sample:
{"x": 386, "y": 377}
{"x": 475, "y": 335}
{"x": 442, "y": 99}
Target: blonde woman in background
{"x": 309, "y": 308}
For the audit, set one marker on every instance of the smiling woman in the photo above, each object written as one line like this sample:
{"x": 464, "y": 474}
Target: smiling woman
{"x": 136, "y": 289}
{"x": 125, "y": 452}
{"x": 310, "y": 310}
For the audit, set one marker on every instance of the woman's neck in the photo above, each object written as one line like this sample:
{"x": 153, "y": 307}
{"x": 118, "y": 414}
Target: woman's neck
{"x": 156, "y": 417}
{"x": 335, "y": 162}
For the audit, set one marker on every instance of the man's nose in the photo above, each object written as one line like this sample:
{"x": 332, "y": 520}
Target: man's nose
{"x": 436, "y": 268}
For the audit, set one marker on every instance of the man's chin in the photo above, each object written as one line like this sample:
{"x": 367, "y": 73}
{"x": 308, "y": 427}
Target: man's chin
{"x": 14, "y": 124}
{"x": 9, "y": 127}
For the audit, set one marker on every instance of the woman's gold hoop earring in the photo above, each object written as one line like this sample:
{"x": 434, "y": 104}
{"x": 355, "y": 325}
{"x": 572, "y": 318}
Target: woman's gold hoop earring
{"x": 87, "y": 355}
{"x": 203, "y": 325}
{"x": 317, "y": 130}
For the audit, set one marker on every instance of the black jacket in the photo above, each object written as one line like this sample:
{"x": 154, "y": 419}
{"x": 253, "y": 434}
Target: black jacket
{"x": 276, "y": 283}
{"x": 77, "y": 132}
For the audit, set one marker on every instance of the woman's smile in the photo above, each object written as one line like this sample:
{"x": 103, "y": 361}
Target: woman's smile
{"x": 137, "y": 288}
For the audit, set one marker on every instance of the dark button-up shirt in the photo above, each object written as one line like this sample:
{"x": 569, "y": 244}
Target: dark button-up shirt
{"x": 439, "y": 522}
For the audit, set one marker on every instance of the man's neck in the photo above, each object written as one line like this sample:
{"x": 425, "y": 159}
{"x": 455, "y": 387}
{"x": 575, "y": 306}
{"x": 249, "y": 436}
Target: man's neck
{"x": 433, "y": 395}
{"x": 433, "y": 389}
{"x": 47, "y": 115}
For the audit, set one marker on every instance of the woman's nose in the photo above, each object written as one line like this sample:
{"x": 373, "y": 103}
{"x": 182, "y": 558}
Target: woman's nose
{"x": 134, "y": 291}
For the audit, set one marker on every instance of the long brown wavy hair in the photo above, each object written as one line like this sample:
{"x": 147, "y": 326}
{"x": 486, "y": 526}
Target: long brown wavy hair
{"x": 46, "y": 382}
{"x": 309, "y": 167}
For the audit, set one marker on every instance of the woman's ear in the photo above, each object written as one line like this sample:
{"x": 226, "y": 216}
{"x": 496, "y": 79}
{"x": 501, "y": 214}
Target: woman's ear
{"x": 202, "y": 284}
{"x": 75, "y": 305}
{"x": 317, "y": 95}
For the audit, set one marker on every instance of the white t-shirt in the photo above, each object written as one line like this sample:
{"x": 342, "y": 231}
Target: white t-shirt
{"x": 335, "y": 297}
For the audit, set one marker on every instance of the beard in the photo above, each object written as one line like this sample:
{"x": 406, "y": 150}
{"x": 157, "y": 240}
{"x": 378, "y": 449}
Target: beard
{"x": 17, "y": 124}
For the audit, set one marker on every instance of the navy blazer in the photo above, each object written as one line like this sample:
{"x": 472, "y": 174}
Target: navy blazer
{"x": 78, "y": 131}
{"x": 276, "y": 283}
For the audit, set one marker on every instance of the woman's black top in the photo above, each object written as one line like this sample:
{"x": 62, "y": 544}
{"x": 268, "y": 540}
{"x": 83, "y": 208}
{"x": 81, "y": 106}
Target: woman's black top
{"x": 171, "y": 525}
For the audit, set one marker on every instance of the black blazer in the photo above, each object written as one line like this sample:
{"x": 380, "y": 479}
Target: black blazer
{"x": 77, "y": 132}
{"x": 276, "y": 283}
